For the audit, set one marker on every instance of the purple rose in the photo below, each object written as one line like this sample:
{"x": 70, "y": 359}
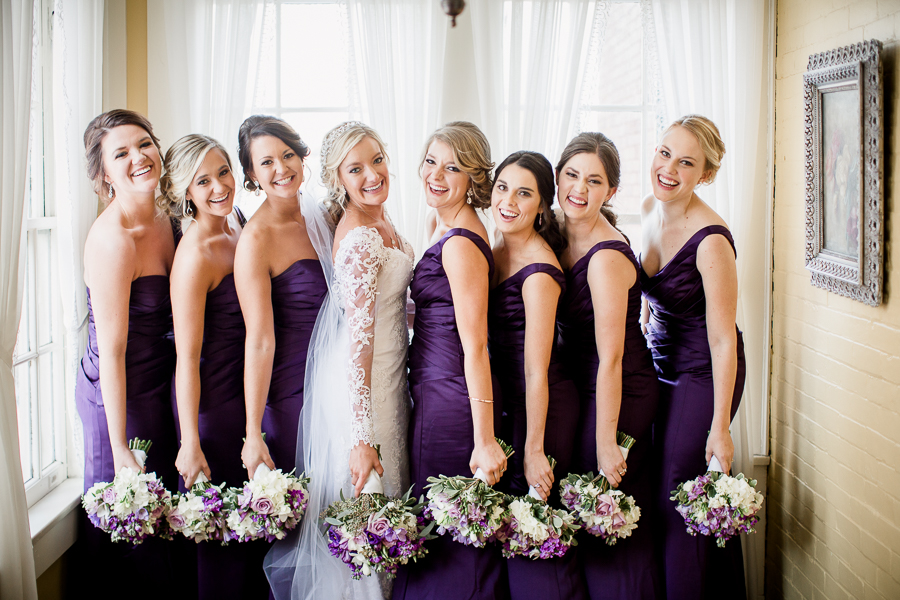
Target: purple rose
{"x": 378, "y": 525}
{"x": 262, "y": 505}
{"x": 176, "y": 520}
{"x": 109, "y": 495}
{"x": 605, "y": 505}
{"x": 618, "y": 520}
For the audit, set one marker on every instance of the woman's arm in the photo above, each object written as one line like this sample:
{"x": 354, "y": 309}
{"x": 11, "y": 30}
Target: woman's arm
{"x": 110, "y": 297}
{"x": 540, "y": 294}
{"x": 715, "y": 261}
{"x": 610, "y": 276}
{"x": 357, "y": 263}
{"x": 189, "y": 283}
{"x": 467, "y": 271}
{"x": 253, "y": 283}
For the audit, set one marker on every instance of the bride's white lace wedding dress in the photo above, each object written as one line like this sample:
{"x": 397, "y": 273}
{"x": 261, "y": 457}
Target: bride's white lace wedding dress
{"x": 355, "y": 392}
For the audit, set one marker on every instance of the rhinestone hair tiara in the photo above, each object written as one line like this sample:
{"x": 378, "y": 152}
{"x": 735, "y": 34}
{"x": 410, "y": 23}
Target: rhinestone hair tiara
{"x": 332, "y": 137}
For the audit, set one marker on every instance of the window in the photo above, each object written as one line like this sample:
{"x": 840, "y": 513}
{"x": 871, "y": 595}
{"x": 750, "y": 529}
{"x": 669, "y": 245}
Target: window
{"x": 620, "y": 99}
{"x": 301, "y": 70}
{"x": 38, "y": 360}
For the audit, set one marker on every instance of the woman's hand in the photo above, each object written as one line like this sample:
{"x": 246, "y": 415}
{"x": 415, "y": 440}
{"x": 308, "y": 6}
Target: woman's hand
{"x": 254, "y": 453}
{"x": 490, "y": 458}
{"x": 538, "y": 473}
{"x": 190, "y": 462}
{"x": 611, "y": 461}
{"x": 719, "y": 443}
{"x": 363, "y": 458}
{"x": 122, "y": 457}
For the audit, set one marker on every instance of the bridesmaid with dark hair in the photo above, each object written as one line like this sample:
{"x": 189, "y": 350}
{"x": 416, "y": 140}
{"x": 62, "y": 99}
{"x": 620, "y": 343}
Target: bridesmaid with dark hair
{"x": 540, "y": 401}
{"x": 123, "y": 389}
{"x": 199, "y": 187}
{"x": 281, "y": 287}
{"x": 611, "y": 365}
{"x": 689, "y": 280}
{"x": 456, "y": 405}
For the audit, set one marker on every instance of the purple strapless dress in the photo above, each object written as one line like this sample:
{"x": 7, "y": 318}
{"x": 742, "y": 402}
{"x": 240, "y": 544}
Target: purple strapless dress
{"x": 556, "y": 577}
{"x": 693, "y": 567}
{"x": 628, "y": 569}
{"x": 442, "y": 435}
{"x": 297, "y": 296}
{"x": 149, "y": 366}
{"x": 233, "y": 571}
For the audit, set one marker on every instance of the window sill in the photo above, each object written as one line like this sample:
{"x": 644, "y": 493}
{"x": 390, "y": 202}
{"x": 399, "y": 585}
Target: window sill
{"x": 53, "y": 521}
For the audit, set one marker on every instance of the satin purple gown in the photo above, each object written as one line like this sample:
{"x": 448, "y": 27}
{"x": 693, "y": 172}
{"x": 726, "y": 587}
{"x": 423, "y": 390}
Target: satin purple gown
{"x": 628, "y": 569}
{"x": 297, "y": 296}
{"x": 442, "y": 435}
{"x": 149, "y": 366}
{"x": 693, "y": 567}
{"x": 555, "y": 577}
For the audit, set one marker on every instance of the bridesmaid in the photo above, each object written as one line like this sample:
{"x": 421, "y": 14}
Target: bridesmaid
{"x": 454, "y": 410}
{"x": 281, "y": 286}
{"x": 540, "y": 401}
{"x": 612, "y": 367}
{"x": 689, "y": 280}
{"x": 198, "y": 187}
{"x": 123, "y": 388}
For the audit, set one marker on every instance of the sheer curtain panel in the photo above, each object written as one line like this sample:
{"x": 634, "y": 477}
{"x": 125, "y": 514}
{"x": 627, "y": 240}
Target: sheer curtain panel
{"x": 713, "y": 57}
{"x": 78, "y": 85}
{"x": 17, "y": 579}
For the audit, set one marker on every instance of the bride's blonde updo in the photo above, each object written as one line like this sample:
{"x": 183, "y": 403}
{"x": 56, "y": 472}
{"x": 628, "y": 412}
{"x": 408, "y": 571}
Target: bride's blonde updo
{"x": 336, "y": 146}
{"x": 183, "y": 159}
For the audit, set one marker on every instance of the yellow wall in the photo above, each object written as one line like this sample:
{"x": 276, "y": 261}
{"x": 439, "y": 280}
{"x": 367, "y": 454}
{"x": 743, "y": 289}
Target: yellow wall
{"x": 136, "y": 48}
{"x": 834, "y": 488}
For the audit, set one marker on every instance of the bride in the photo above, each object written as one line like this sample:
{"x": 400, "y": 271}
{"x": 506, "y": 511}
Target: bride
{"x": 356, "y": 394}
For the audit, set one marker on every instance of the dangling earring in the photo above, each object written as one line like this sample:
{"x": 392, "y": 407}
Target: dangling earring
{"x": 111, "y": 193}
{"x": 469, "y": 195}
{"x": 256, "y": 183}
{"x": 540, "y": 218}
{"x": 189, "y": 208}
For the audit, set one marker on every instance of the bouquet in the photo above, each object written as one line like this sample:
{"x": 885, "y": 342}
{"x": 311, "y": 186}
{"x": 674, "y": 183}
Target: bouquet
{"x": 717, "y": 504}
{"x": 267, "y": 507}
{"x": 133, "y": 506}
{"x": 199, "y": 514}
{"x": 374, "y": 533}
{"x": 535, "y": 529}
{"x": 467, "y": 508}
{"x": 602, "y": 511}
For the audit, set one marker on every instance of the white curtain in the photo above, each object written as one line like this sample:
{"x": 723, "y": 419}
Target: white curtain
{"x": 396, "y": 60}
{"x": 77, "y": 98}
{"x": 199, "y": 66}
{"x": 713, "y": 58}
{"x": 17, "y": 578}
{"x": 528, "y": 101}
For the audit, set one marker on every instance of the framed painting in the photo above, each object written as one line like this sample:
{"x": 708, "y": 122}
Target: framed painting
{"x": 843, "y": 96}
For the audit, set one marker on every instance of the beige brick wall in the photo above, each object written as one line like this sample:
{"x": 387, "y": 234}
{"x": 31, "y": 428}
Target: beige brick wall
{"x": 834, "y": 487}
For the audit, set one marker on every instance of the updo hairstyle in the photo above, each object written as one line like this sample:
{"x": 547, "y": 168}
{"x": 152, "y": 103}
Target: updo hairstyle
{"x": 259, "y": 126}
{"x": 471, "y": 153}
{"x": 710, "y": 140}
{"x": 183, "y": 160}
{"x": 590, "y": 142}
{"x": 335, "y": 147}
{"x": 545, "y": 222}
{"x": 93, "y": 140}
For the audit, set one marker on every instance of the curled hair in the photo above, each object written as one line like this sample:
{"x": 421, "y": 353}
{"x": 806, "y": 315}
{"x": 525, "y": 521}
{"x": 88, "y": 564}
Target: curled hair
{"x": 471, "y": 153}
{"x": 259, "y": 126}
{"x": 335, "y": 147}
{"x": 182, "y": 161}
{"x": 546, "y": 225}
{"x": 603, "y": 147}
{"x": 711, "y": 142}
{"x": 93, "y": 141}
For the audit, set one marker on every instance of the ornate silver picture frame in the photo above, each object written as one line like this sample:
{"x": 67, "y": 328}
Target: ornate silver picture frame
{"x": 843, "y": 96}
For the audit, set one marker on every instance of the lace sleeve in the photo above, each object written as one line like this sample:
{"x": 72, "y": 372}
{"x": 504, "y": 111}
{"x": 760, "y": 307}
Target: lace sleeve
{"x": 356, "y": 267}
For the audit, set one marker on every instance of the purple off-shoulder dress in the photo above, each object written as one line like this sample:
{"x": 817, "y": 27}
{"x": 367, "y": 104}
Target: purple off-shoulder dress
{"x": 628, "y": 569}
{"x": 693, "y": 567}
{"x": 297, "y": 296}
{"x": 149, "y": 366}
{"x": 442, "y": 434}
{"x": 550, "y": 578}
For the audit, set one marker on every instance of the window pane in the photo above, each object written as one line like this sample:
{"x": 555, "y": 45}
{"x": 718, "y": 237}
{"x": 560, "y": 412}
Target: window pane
{"x": 22, "y": 375}
{"x": 312, "y": 127}
{"x": 620, "y": 74}
{"x": 45, "y": 289}
{"x": 624, "y": 129}
{"x": 46, "y": 414}
{"x": 25, "y": 341}
{"x": 313, "y": 56}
